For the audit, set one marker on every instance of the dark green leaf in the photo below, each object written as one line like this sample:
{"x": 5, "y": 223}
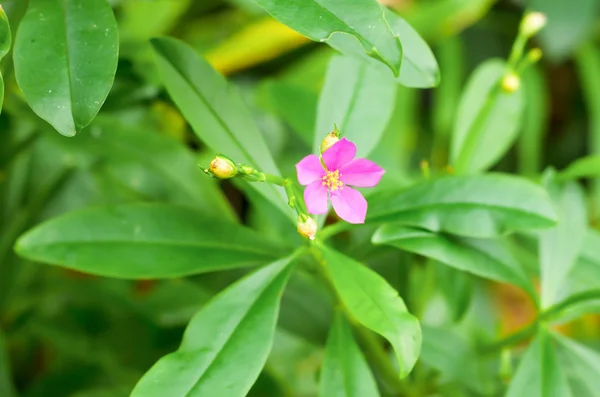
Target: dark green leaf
{"x": 347, "y": 101}
{"x": 77, "y": 43}
{"x": 226, "y": 343}
{"x": 6, "y": 386}
{"x": 585, "y": 167}
{"x": 484, "y": 258}
{"x": 216, "y": 111}
{"x": 142, "y": 241}
{"x": 468, "y": 205}
{"x": 488, "y": 120}
{"x": 345, "y": 371}
{"x": 375, "y": 304}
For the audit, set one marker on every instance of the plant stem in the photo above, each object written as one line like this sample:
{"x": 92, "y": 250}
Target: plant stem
{"x": 555, "y": 310}
{"x": 276, "y": 180}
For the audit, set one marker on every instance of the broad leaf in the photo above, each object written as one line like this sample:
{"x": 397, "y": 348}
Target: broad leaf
{"x": 363, "y": 22}
{"x": 215, "y": 111}
{"x": 5, "y": 40}
{"x": 65, "y": 58}
{"x": 140, "y": 241}
{"x": 540, "y": 373}
{"x": 468, "y": 205}
{"x": 347, "y": 101}
{"x": 488, "y": 120}
{"x": 226, "y": 343}
{"x": 375, "y": 304}
{"x": 581, "y": 365}
{"x": 560, "y": 246}
{"x": 345, "y": 371}
{"x": 585, "y": 167}
{"x": 484, "y": 258}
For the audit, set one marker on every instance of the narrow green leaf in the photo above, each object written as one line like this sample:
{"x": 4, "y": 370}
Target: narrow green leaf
{"x": 6, "y": 386}
{"x": 419, "y": 67}
{"x": 585, "y": 167}
{"x": 226, "y": 343}
{"x": 560, "y": 246}
{"x": 363, "y": 22}
{"x": 77, "y": 43}
{"x": 376, "y": 305}
{"x": 540, "y": 373}
{"x": 345, "y": 371}
{"x": 482, "y": 257}
{"x": 140, "y": 241}
{"x": 216, "y": 112}
{"x": 468, "y": 205}
{"x": 347, "y": 101}
{"x": 488, "y": 120}
{"x": 581, "y": 365}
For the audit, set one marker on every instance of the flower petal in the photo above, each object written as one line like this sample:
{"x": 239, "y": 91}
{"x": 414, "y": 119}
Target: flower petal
{"x": 350, "y": 205}
{"x": 309, "y": 169}
{"x": 315, "y": 196}
{"x": 339, "y": 154}
{"x": 361, "y": 173}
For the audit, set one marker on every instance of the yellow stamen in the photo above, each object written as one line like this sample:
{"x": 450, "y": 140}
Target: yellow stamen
{"x": 332, "y": 180}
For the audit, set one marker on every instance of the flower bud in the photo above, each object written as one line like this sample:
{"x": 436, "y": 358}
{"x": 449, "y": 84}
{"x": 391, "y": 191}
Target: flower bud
{"x": 222, "y": 167}
{"x": 532, "y": 23}
{"x": 307, "y": 227}
{"x": 534, "y": 55}
{"x": 330, "y": 140}
{"x": 511, "y": 82}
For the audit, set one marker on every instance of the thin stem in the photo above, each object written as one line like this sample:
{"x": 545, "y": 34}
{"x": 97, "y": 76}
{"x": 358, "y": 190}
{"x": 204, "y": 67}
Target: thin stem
{"x": 511, "y": 340}
{"x": 276, "y": 180}
{"x": 555, "y": 310}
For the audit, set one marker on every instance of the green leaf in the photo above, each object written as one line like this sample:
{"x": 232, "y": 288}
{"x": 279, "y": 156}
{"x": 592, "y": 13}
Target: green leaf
{"x": 488, "y": 120}
{"x": 77, "y": 43}
{"x": 5, "y": 40}
{"x": 216, "y": 112}
{"x": 226, "y": 343}
{"x": 6, "y": 386}
{"x": 140, "y": 241}
{"x": 540, "y": 373}
{"x": 581, "y": 365}
{"x": 419, "y": 66}
{"x": 484, "y": 258}
{"x": 468, "y": 205}
{"x": 347, "y": 101}
{"x": 456, "y": 288}
{"x": 560, "y": 246}
{"x": 567, "y": 26}
{"x": 363, "y": 22}
{"x": 345, "y": 371}
{"x": 375, "y": 304}
{"x": 585, "y": 167}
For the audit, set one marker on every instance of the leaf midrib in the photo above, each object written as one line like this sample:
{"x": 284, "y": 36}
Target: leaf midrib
{"x": 68, "y": 60}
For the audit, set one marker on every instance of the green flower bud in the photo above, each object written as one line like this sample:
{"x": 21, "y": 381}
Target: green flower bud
{"x": 330, "y": 140}
{"x": 222, "y": 167}
{"x": 307, "y": 227}
{"x": 534, "y": 55}
{"x": 532, "y": 23}
{"x": 511, "y": 83}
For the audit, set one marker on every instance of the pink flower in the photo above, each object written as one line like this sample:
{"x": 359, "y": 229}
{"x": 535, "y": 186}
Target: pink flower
{"x": 330, "y": 182}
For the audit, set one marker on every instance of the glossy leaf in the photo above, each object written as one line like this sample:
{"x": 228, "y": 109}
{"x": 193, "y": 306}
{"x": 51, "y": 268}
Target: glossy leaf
{"x": 359, "y": 99}
{"x": 560, "y": 246}
{"x": 140, "y": 241}
{"x": 345, "y": 371}
{"x": 540, "y": 373}
{"x": 484, "y": 258}
{"x": 581, "y": 365}
{"x": 216, "y": 112}
{"x": 5, "y": 41}
{"x": 226, "y": 343}
{"x": 375, "y": 304}
{"x": 488, "y": 120}
{"x": 77, "y": 43}
{"x": 364, "y": 22}
{"x": 468, "y": 205}
{"x": 585, "y": 167}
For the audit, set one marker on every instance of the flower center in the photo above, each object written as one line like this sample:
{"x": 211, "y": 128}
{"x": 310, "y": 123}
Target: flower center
{"x": 332, "y": 180}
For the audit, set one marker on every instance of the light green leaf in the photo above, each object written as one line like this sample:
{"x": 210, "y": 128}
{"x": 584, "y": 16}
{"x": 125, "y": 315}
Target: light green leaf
{"x": 345, "y": 371}
{"x": 216, "y": 112}
{"x": 347, "y": 100}
{"x": 540, "y": 373}
{"x": 226, "y": 343}
{"x": 560, "y": 246}
{"x": 65, "y": 57}
{"x": 140, "y": 241}
{"x": 363, "y": 22}
{"x": 468, "y": 205}
{"x": 375, "y": 304}
{"x": 488, "y": 120}
{"x": 419, "y": 67}
{"x": 581, "y": 365}
{"x": 6, "y": 386}
{"x": 484, "y": 258}
{"x": 5, "y": 40}
{"x": 585, "y": 167}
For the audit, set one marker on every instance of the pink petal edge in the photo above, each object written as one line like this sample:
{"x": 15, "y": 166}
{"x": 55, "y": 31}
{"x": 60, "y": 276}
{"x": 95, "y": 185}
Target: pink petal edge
{"x": 350, "y": 205}
{"x": 339, "y": 154}
{"x": 309, "y": 169}
{"x": 361, "y": 173}
{"x": 315, "y": 197}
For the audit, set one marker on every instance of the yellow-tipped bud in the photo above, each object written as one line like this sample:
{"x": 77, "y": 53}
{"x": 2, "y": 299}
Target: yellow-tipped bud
{"x": 307, "y": 227}
{"x": 330, "y": 140}
{"x": 511, "y": 83}
{"x": 533, "y": 23}
{"x": 534, "y": 55}
{"x": 222, "y": 167}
